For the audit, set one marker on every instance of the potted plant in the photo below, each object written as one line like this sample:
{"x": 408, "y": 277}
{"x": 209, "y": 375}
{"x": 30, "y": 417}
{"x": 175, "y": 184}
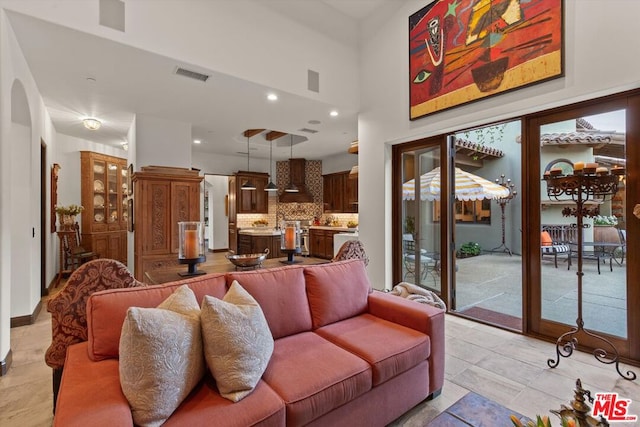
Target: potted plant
{"x": 469, "y": 249}
{"x": 67, "y": 216}
{"x": 605, "y": 229}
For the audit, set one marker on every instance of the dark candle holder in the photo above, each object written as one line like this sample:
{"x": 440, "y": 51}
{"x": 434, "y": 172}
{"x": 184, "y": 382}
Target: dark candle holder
{"x": 290, "y": 253}
{"x": 192, "y": 269}
{"x": 582, "y": 187}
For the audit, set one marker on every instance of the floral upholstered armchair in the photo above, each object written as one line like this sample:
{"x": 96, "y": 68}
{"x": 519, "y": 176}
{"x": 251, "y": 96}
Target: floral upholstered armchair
{"x": 68, "y": 308}
{"x": 351, "y": 249}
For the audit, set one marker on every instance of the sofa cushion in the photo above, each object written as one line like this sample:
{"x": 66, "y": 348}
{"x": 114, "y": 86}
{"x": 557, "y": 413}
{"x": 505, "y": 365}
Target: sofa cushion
{"x": 314, "y": 376}
{"x": 390, "y": 348}
{"x": 206, "y": 407}
{"x": 106, "y": 310}
{"x": 278, "y": 291}
{"x": 90, "y": 393}
{"x": 237, "y": 341}
{"x": 336, "y": 291}
{"x": 161, "y": 356}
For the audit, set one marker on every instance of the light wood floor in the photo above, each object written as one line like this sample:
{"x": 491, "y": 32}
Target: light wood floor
{"x": 508, "y": 368}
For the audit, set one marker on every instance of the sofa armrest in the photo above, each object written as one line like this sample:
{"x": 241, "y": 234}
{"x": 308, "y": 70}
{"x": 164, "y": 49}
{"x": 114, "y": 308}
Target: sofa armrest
{"x": 90, "y": 393}
{"x": 421, "y": 317}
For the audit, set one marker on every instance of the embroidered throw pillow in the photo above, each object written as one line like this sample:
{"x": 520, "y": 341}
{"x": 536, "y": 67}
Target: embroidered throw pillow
{"x": 237, "y": 341}
{"x": 161, "y": 357}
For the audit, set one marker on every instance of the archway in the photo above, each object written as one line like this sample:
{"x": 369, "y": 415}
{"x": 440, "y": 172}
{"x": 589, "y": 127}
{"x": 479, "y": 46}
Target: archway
{"x": 24, "y": 215}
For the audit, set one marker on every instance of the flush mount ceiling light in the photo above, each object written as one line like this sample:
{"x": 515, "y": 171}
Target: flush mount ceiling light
{"x": 270, "y": 186}
{"x": 91, "y": 123}
{"x": 248, "y": 185}
{"x": 291, "y": 188}
{"x": 272, "y": 97}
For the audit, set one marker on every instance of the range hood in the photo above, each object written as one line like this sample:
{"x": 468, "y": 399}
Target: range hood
{"x": 297, "y": 177}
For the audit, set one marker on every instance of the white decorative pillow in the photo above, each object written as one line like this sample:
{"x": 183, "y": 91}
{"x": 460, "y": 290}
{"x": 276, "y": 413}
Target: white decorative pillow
{"x": 161, "y": 356}
{"x": 237, "y": 341}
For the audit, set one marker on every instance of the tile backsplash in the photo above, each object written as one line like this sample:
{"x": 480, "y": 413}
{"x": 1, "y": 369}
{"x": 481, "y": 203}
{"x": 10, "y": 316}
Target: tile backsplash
{"x": 296, "y": 211}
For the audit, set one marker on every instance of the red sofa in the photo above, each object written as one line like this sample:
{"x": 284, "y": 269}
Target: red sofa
{"x": 343, "y": 355}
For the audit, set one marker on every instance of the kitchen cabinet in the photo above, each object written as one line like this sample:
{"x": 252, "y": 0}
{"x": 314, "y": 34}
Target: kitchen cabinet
{"x": 351, "y": 195}
{"x": 322, "y": 242}
{"x": 251, "y": 201}
{"x": 340, "y": 193}
{"x": 104, "y": 198}
{"x": 163, "y": 196}
{"x": 253, "y": 244}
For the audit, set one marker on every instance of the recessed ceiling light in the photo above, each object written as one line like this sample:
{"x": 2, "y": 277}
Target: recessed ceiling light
{"x": 272, "y": 97}
{"x": 196, "y": 141}
{"x": 333, "y": 113}
{"x": 314, "y": 122}
{"x": 91, "y": 123}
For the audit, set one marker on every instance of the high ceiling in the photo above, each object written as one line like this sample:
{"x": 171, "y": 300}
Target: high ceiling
{"x": 79, "y": 74}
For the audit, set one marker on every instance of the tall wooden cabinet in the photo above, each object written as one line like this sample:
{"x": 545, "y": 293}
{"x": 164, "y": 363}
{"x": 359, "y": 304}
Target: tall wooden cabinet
{"x": 104, "y": 197}
{"x": 163, "y": 196}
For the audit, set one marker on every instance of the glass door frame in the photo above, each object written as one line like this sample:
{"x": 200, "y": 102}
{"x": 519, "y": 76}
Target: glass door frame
{"x": 440, "y": 142}
{"x": 534, "y": 324}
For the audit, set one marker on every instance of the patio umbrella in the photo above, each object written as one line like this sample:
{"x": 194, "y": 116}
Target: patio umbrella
{"x": 468, "y": 187}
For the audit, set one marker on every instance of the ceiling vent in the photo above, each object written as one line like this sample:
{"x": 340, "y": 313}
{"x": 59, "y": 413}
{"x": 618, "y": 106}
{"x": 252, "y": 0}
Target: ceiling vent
{"x": 307, "y": 130}
{"x": 192, "y": 74}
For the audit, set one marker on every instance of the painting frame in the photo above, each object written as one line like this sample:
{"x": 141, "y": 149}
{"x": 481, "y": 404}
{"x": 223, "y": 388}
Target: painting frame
{"x": 464, "y": 51}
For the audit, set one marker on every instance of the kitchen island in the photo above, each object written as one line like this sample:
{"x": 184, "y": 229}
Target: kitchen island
{"x": 256, "y": 240}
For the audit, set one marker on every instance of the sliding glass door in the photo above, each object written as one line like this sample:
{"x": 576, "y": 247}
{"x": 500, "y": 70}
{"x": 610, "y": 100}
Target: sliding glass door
{"x": 420, "y": 245}
{"x": 585, "y": 163}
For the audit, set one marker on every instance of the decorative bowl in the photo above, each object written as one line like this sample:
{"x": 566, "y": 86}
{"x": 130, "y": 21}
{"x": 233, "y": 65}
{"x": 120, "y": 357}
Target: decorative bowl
{"x": 247, "y": 260}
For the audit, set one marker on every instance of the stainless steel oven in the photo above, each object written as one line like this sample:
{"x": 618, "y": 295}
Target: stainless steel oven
{"x": 304, "y": 237}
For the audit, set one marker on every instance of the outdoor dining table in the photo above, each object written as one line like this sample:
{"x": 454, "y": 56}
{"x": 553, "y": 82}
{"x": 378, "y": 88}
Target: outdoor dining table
{"x": 598, "y": 251}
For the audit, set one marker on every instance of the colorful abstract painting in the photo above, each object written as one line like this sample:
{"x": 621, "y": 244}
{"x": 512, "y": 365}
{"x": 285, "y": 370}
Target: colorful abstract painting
{"x": 464, "y": 50}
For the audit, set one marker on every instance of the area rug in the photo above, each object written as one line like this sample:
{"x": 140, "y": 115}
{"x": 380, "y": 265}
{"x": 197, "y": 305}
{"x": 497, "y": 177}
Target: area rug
{"x": 494, "y": 317}
{"x": 476, "y": 411}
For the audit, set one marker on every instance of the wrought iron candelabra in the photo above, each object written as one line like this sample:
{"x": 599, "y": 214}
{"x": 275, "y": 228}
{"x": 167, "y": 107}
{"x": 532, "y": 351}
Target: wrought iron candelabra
{"x": 581, "y": 187}
{"x": 503, "y": 201}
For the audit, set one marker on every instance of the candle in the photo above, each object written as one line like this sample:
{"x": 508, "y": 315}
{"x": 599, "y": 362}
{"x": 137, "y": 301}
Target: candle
{"x": 590, "y": 167}
{"x": 556, "y": 171}
{"x": 617, "y": 170}
{"x": 578, "y": 166}
{"x": 190, "y": 244}
{"x": 290, "y": 238}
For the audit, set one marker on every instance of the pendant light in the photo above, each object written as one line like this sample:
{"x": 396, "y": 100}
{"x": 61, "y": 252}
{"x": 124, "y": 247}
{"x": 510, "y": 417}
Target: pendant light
{"x": 270, "y": 186}
{"x": 248, "y": 185}
{"x": 291, "y": 188}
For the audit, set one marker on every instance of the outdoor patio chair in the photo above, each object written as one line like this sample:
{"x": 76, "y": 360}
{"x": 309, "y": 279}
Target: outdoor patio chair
{"x": 550, "y": 248}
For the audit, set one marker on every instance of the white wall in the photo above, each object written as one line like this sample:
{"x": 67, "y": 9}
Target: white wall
{"x": 218, "y": 187}
{"x": 339, "y": 162}
{"x": 13, "y": 68}
{"x": 161, "y": 142}
{"x": 384, "y": 99}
